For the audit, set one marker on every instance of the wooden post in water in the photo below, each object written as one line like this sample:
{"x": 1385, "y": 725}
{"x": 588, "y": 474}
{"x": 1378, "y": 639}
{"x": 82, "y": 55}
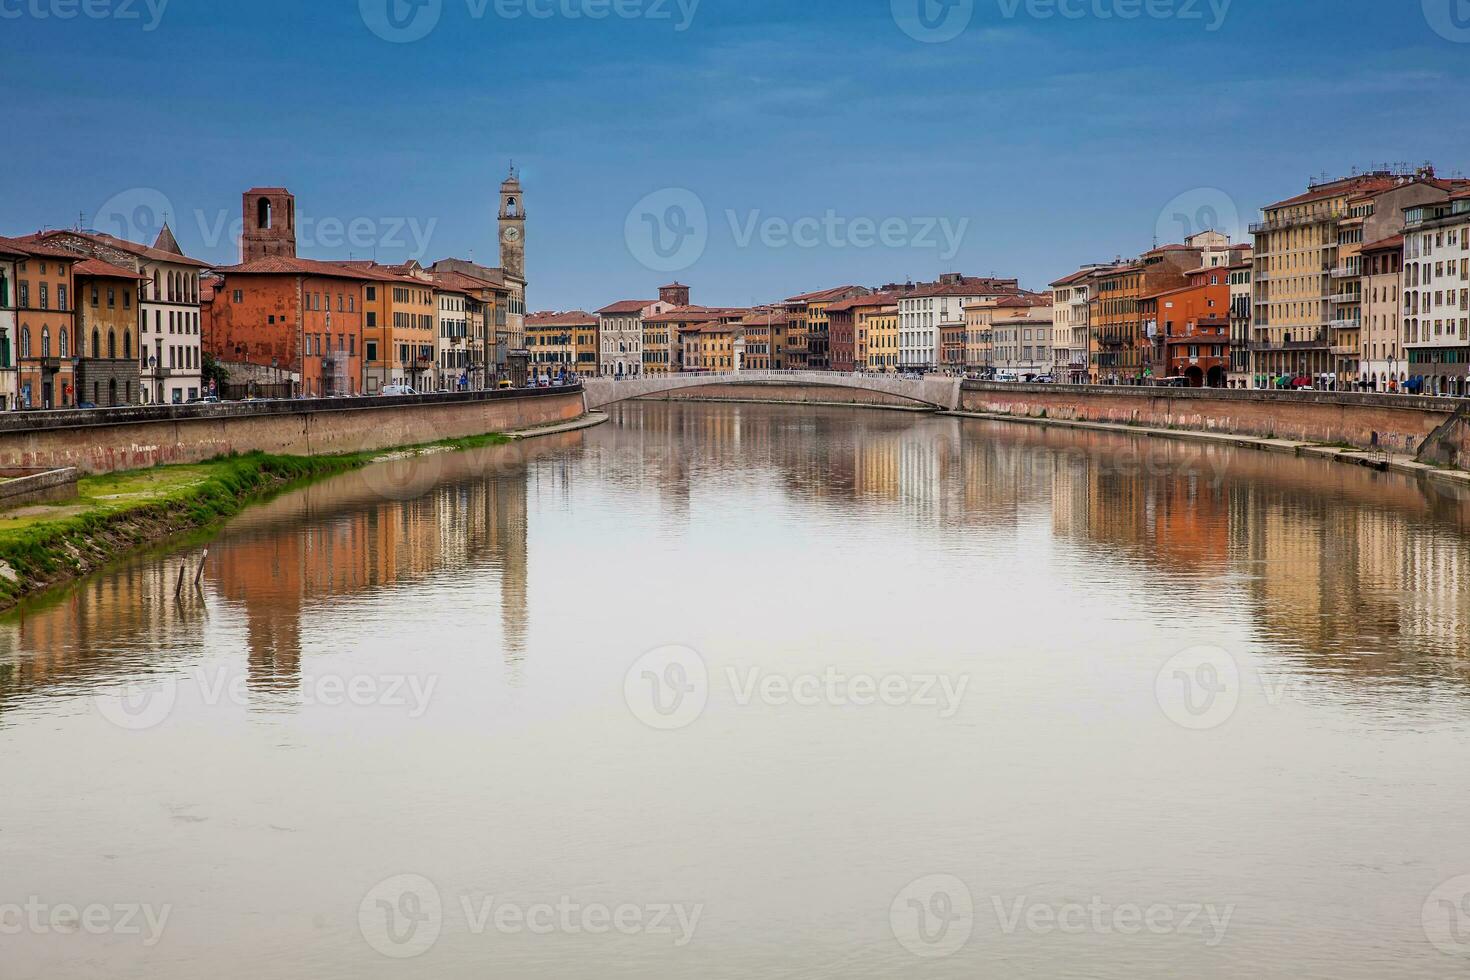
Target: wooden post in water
{"x": 200, "y": 573}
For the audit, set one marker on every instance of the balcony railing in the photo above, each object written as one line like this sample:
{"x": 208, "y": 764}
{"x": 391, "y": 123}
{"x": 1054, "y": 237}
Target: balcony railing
{"x": 1318, "y": 341}
{"x": 1345, "y": 272}
{"x": 1281, "y": 223}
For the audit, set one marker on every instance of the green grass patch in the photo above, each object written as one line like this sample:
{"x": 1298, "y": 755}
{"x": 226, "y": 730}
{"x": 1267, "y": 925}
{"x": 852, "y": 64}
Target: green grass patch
{"x": 115, "y": 513}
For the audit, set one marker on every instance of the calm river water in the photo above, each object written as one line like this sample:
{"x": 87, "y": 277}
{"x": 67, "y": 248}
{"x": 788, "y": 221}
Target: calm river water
{"x": 731, "y": 691}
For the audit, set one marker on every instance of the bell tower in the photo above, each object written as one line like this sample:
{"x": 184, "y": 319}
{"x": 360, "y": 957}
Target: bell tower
{"x": 270, "y": 224}
{"x": 512, "y": 226}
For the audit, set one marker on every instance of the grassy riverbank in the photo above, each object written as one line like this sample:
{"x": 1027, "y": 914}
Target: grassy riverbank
{"x": 44, "y": 545}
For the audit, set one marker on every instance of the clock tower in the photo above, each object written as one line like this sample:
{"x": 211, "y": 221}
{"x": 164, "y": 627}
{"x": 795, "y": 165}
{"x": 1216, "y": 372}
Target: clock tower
{"x": 512, "y": 227}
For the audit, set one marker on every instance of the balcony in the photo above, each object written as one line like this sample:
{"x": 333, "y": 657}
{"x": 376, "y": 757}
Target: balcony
{"x": 1339, "y": 350}
{"x": 1346, "y": 324}
{"x": 1341, "y": 298}
{"x": 1345, "y": 272}
{"x": 1282, "y": 223}
{"x": 1317, "y": 342}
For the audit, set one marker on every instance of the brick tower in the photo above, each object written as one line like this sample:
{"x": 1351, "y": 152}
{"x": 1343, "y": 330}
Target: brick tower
{"x": 675, "y": 293}
{"x": 270, "y": 224}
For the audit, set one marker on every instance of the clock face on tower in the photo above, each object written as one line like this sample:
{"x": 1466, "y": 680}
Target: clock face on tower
{"x": 512, "y": 234}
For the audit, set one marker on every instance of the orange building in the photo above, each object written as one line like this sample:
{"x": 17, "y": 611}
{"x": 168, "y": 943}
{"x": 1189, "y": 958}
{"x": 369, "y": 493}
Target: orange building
{"x": 283, "y": 319}
{"x": 1194, "y": 322}
{"x": 45, "y": 349}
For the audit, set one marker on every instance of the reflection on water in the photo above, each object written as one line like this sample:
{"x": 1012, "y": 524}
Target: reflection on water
{"x": 1059, "y": 568}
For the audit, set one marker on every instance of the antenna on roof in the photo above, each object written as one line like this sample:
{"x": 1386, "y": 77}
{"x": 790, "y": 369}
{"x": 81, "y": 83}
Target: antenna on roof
{"x": 81, "y": 220}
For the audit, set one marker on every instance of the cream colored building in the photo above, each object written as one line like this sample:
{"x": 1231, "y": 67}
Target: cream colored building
{"x": 1308, "y": 268}
{"x": 1436, "y": 293}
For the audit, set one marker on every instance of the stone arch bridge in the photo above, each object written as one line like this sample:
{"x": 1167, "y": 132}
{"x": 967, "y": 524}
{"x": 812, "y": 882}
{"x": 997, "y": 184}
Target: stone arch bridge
{"x": 929, "y": 392}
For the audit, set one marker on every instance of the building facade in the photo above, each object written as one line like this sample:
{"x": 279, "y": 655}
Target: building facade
{"x": 1384, "y": 362}
{"x": 1436, "y": 295}
{"x": 170, "y": 356}
{"x": 285, "y": 320}
{"x": 107, "y": 320}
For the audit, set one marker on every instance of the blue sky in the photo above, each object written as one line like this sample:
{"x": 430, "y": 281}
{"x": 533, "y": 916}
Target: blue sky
{"x": 822, "y": 142}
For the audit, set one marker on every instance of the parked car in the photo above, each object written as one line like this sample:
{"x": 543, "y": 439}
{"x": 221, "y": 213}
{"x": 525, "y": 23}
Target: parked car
{"x": 504, "y": 385}
{"x": 398, "y": 390}
{"x": 203, "y": 400}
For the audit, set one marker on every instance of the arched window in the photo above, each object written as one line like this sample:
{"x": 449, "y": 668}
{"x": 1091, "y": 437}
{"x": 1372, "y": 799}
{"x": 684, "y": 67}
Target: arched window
{"x": 45, "y": 341}
{"x": 157, "y": 285}
{"x": 263, "y": 213}
{"x": 25, "y": 341}
{"x": 96, "y": 344}
{"x": 511, "y": 207}
{"x": 128, "y": 348}
{"x": 61, "y": 342}
{"x": 111, "y": 344}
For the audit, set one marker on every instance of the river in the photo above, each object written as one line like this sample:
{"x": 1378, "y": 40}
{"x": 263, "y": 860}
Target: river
{"x": 739, "y": 690}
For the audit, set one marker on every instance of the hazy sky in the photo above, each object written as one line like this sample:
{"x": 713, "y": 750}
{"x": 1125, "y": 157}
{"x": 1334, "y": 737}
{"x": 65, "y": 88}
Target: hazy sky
{"x": 752, "y": 148}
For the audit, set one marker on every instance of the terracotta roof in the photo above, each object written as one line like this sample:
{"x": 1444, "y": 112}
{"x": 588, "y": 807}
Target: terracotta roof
{"x": 970, "y": 286}
{"x": 96, "y": 267}
{"x": 1369, "y": 184}
{"x": 571, "y": 318}
{"x": 822, "y": 295}
{"x": 382, "y": 273}
{"x": 628, "y": 306}
{"x": 122, "y": 244}
{"x": 694, "y": 314}
{"x": 281, "y": 265}
{"x": 1385, "y": 244}
{"x": 267, "y": 190}
{"x": 1077, "y": 276}
{"x": 764, "y": 315}
{"x": 460, "y": 281}
{"x": 872, "y": 299}
{"x": 30, "y": 247}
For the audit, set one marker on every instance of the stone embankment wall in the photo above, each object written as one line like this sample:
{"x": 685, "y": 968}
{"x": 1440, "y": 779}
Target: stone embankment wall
{"x": 102, "y": 441}
{"x": 1396, "y": 423}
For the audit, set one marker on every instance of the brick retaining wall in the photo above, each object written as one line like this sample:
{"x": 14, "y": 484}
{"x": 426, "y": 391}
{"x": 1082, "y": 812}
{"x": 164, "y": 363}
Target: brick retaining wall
{"x": 102, "y": 441}
{"x": 1400, "y": 423}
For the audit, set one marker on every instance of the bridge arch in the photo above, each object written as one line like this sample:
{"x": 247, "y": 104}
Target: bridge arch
{"x": 932, "y": 392}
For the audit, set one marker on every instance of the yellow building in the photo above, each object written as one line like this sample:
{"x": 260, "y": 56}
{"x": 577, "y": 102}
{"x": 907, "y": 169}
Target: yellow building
{"x": 710, "y": 347}
{"x": 400, "y": 326}
{"x": 877, "y": 332}
{"x": 584, "y": 347}
{"x": 663, "y": 344}
{"x": 553, "y": 340}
